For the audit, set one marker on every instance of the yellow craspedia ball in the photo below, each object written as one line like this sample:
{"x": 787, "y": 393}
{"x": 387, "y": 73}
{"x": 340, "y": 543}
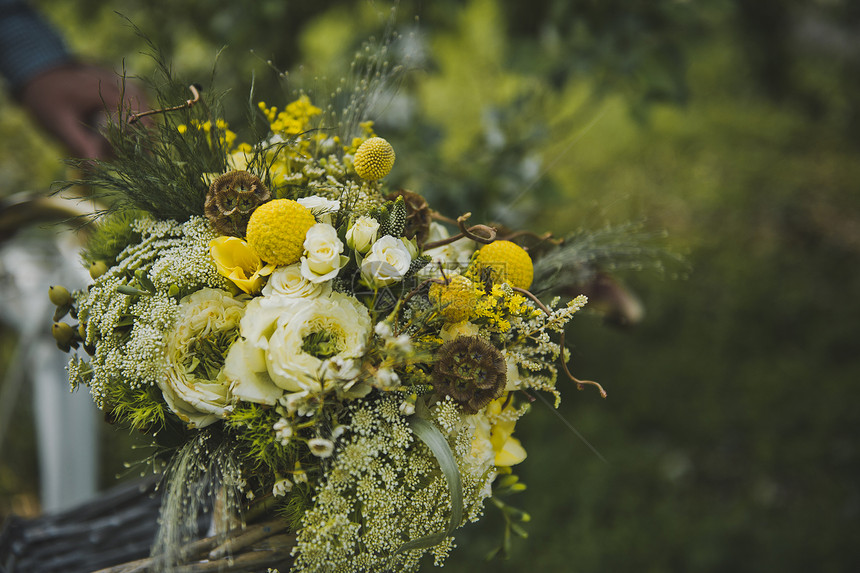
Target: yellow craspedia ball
{"x": 456, "y": 300}
{"x": 507, "y": 261}
{"x": 373, "y": 159}
{"x": 277, "y": 229}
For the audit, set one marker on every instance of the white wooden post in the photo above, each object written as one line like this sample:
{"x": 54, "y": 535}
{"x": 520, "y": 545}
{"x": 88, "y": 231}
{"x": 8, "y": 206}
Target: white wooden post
{"x": 65, "y": 423}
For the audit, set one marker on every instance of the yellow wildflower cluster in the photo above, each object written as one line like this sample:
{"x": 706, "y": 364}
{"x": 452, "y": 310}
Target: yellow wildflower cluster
{"x": 368, "y": 133}
{"x": 305, "y": 157}
{"x": 294, "y": 120}
{"x": 226, "y": 137}
{"x": 500, "y": 306}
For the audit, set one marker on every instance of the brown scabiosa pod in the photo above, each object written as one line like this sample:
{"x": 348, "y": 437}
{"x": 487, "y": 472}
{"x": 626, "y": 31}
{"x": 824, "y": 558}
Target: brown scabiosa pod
{"x": 471, "y": 371}
{"x": 231, "y": 199}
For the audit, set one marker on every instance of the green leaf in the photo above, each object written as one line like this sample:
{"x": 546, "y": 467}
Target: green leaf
{"x": 61, "y": 312}
{"x": 430, "y": 435}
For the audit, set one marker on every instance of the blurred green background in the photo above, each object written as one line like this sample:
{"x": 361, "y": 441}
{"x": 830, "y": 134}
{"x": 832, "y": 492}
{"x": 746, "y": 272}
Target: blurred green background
{"x": 731, "y": 428}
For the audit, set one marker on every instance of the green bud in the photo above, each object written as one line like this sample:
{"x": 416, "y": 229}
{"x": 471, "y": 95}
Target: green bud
{"x": 143, "y": 280}
{"x": 62, "y": 333}
{"x": 518, "y": 530}
{"x": 508, "y": 481}
{"x": 129, "y": 290}
{"x": 59, "y": 295}
{"x": 97, "y": 269}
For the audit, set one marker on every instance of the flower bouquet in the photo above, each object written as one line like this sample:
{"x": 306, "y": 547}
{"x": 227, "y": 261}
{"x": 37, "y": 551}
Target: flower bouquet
{"x": 310, "y": 350}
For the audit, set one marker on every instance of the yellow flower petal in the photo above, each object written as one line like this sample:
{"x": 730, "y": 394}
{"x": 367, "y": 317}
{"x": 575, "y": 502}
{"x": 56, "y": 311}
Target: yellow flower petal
{"x": 512, "y": 453}
{"x": 508, "y": 449}
{"x": 501, "y": 433}
{"x": 237, "y": 261}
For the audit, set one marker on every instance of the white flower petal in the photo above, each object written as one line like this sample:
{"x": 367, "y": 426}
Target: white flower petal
{"x": 198, "y": 401}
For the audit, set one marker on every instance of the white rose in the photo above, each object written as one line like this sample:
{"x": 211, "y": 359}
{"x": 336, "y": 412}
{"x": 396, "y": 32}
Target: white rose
{"x": 453, "y": 256}
{"x": 245, "y": 366}
{"x": 482, "y": 454}
{"x": 321, "y": 207}
{"x": 289, "y": 281}
{"x": 513, "y": 374}
{"x": 362, "y": 234}
{"x": 387, "y": 378}
{"x": 322, "y": 259}
{"x": 191, "y": 388}
{"x": 387, "y": 263}
{"x": 287, "y": 342}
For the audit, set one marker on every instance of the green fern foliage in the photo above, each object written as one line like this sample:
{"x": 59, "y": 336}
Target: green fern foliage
{"x": 158, "y": 159}
{"x": 112, "y": 234}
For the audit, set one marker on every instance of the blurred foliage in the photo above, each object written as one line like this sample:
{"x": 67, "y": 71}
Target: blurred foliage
{"x": 28, "y": 161}
{"x": 729, "y": 427}
{"x": 18, "y": 468}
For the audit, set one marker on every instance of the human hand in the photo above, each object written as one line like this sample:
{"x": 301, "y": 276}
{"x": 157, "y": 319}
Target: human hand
{"x": 69, "y": 100}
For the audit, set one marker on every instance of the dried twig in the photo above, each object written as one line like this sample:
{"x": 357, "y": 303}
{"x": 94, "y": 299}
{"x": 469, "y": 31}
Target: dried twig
{"x": 546, "y": 237}
{"x": 249, "y": 536}
{"x": 255, "y": 546}
{"x": 579, "y": 383}
{"x": 466, "y": 232}
{"x": 195, "y": 91}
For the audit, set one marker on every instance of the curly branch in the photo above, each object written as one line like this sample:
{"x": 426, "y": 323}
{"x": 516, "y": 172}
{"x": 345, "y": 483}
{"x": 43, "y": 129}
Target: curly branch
{"x": 466, "y": 232}
{"x": 195, "y": 91}
{"x": 580, "y": 384}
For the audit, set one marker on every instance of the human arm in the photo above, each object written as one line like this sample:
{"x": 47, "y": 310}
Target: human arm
{"x": 63, "y": 96}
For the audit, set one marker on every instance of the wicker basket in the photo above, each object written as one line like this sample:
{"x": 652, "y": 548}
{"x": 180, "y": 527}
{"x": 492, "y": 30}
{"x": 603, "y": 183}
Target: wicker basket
{"x": 114, "y": 534}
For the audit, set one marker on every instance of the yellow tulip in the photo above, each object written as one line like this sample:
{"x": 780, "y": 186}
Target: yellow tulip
{"x": 510, "y": 453}
{"x": 508, "y": 450}
{"x": 237, "y": 261}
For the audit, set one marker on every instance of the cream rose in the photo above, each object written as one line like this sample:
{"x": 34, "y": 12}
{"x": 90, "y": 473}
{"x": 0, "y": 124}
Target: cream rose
{"x": 321, "y": 207}
{"x": 194, "y": 385}
{"x": 289, "y": 281}
{"x": 322, "y": 259}
{"x": 513, "y": 380}
{"x": 287, "y": 344}
{"x": 387, "y": 263}
{"x": 454, "y": 256}
{"x": 481, "y": 456}
{"x": 362, "y": 234}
